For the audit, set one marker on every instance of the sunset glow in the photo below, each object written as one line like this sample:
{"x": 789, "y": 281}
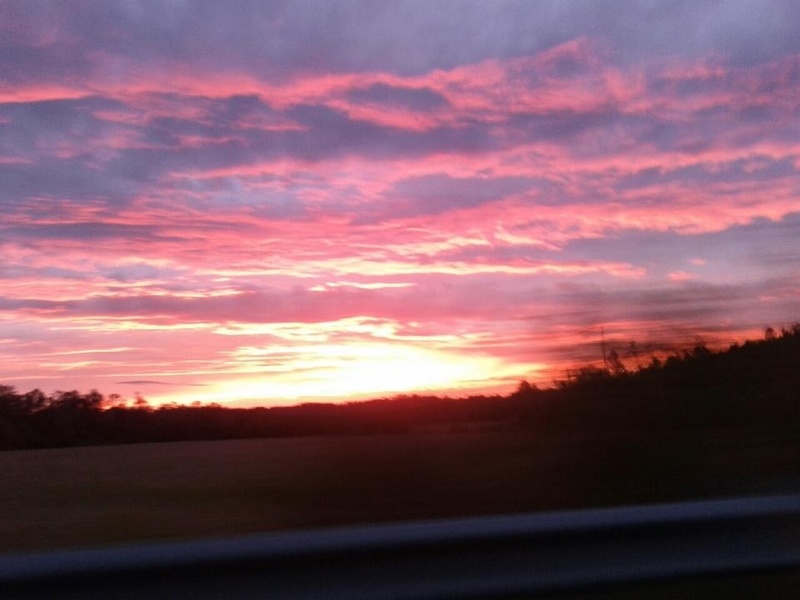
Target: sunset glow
{"x": 273, "y": 203}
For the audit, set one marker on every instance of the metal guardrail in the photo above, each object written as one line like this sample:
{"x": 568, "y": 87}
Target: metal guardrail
{"x": 497, "y": 556}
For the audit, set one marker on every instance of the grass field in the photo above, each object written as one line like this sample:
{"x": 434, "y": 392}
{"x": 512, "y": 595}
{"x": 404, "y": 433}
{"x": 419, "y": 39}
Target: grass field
{"x": 94, "y": 496}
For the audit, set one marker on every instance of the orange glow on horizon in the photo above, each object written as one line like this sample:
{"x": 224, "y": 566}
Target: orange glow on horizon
{"x": 342, "y": 372}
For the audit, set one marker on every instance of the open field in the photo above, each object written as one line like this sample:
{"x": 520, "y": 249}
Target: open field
{"x": 91, "y": 496}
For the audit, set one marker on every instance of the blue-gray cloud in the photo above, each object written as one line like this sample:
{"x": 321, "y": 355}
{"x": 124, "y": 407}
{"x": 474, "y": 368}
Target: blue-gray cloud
{"x": 437, "y": 194}
{"x": 407, "y": 37}
{"x": 418, "y": 99}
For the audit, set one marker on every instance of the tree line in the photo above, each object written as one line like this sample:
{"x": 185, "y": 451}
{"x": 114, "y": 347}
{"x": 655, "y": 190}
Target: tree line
{"x": 755, "y": 384}
{"x": 62, "y": 419}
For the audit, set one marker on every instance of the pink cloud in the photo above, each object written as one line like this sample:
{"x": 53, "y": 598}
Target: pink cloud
{"x": 679, "y": 276}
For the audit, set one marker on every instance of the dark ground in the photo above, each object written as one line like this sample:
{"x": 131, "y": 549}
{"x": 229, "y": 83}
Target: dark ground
{"x": 90, "y": 496}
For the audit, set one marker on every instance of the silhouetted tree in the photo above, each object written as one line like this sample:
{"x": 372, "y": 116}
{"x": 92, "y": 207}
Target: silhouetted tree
{"x": 615, "y": 364}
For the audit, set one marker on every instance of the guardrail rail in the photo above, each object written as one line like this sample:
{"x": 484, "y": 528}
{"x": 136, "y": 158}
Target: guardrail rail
{"x": 488, "y": 557}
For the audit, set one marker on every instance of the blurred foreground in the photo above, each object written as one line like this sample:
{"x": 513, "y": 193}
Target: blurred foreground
{"x": 94, "y": 496}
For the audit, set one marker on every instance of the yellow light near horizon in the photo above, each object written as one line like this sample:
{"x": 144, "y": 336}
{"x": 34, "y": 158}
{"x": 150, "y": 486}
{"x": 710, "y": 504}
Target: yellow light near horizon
{"x": 396, "y": 369}
{"x": 348, "y": 371}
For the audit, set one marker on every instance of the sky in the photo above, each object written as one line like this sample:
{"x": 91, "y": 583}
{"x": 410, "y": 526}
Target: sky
{"x": 264, "y": 203}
